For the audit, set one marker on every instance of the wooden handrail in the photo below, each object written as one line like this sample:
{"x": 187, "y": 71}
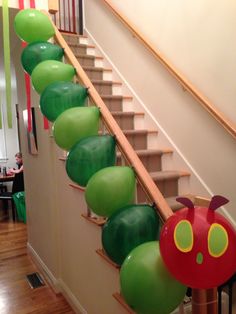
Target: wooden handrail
{"x": 229, "y": 126}
{"x": 126, "y": 149}
{"x": 123, "y": 144}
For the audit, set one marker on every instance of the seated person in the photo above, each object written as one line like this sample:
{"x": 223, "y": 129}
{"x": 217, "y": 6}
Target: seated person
{"x": 18, "y": 182}
{"x": 17, "y": 186}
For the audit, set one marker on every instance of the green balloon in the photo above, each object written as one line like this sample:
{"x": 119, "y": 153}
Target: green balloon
{"x": 90, "y": 155}
{"x": 32, "y": 25}
{"x": 146, "y": 284}
{"x": 127, "y": 228}
{"x": 75, "y": 124}
{"x": 110, "y": 189}
{"x": 60, "y": 96}
{"x": 37, "y": 52}
{"x": 50, "y": 71}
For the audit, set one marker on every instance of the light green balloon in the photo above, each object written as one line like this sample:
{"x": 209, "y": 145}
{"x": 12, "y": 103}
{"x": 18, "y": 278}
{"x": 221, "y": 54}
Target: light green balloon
{"x": 146, "y": 284}
{"x": 51, "y": 71}
{"x": 75, "y": 124}
{"x": 32, "y": 25}
{"x": 110, "y": 189}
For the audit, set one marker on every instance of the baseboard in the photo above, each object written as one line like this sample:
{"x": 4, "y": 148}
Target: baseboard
{"x": 57, "y": 285}
{"x": 71, "y": 299}
{"x": 47, "y": 274}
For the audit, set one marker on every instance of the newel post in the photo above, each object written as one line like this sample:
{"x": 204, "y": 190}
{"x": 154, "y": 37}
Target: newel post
{"x": 53, "y": 6}
{"x": 204, "y": 301}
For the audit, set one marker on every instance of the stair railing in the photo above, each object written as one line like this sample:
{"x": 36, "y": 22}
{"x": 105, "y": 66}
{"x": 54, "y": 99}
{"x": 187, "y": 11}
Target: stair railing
{"x": 199, "y": 304}
{"x": 229, "y": 126}
{"x": 67, "y": 15}
{"x": 123, "y": 144}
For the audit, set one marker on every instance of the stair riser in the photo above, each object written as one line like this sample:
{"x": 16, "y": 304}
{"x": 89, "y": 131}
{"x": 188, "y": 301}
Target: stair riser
{"x": 152, "y": 163}
{"x": 168, "y": 188}
{"x": 94, "y": 75}
{"x": 138, "y": 141}
{"x": 75, "y": 40}
{"x": 86, "y": 61}
{"x": 103, "y": 89}
{"x": 71, "y": 40}
{"x": 125, "y": 122}
{"x": 79, "y": 50}
{"x": 114, "y": 104}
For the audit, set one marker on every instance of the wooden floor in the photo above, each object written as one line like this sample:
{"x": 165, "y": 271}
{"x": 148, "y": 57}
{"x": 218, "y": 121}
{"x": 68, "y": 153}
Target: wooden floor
{"x": 16, "y": 296}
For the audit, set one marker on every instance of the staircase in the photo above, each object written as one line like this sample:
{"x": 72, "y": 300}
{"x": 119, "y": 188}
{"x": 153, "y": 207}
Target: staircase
{"x": 110, "y": 91}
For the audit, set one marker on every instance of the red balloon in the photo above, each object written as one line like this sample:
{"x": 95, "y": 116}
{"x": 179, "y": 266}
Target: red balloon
{"x": 198, "y": 246}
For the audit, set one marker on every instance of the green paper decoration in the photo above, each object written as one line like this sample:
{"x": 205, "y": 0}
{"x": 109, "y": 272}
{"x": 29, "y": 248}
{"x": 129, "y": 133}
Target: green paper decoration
{"x": 127, "y": 228}
{"x": 37, "y": 52}
{"x": 7, "y": 59}
{"x": 0, "y": 113}
{"x": 146, "y": 284}
{"x": 89, "y": 156}
{"x": 75, "y": 124}
{"x": 32, "y": 25}
{"x": 51, "y": 71}
{"x": 110, "y": 189}
{"x": 60, "y": 96}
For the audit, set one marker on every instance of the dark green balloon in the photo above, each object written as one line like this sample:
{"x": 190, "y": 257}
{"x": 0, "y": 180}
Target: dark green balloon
{"x": 90, "y": 155}
{"x": 127, "y": 228}
{"x": 60, "y": 96}
{"x": 146, "y": 284}
{"x": 37, "y": 52}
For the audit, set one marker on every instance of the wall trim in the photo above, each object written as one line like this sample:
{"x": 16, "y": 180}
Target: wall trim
{"x": 57, "y": 285}
{"x": 71, "y": 299}
{"x": 223, "y": 210}
{"x": 48, "y": 275}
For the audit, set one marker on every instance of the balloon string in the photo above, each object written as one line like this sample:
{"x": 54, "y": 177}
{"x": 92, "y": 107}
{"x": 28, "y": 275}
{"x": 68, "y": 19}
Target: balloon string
{"x": 205, "y": 303}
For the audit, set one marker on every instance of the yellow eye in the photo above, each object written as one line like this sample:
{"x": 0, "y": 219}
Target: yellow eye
{"x": 183, "y": 236}
{"x": 217, "y": 240}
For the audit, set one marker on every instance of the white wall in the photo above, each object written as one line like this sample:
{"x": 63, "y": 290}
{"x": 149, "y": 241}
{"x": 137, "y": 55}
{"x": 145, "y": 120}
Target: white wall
{"x": 197, "y": 37}
{"x": 40, "y": 4}
{"x": 208, "y": 149}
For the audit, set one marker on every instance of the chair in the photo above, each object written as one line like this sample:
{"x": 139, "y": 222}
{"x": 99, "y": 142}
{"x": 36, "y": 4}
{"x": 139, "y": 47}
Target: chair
{"x": 3, "y": 188}
{"x": 6, "y": 197}
{"x": 17, "y": 186}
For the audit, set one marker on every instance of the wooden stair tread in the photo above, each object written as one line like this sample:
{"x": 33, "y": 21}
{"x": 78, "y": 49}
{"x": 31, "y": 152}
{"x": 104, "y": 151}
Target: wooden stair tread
{"x": 79, "y": 55}
{"x": 140, "y": 131}
{"x": 174, "y": 205}
{"x": 124, "y": 113}
{"x": 81, "y": 45}
{"x": 98, "y": 69}
{"x": 102, "y": 82}
{"x": 73, "y": 35}
{"x": 168, "y": 174}
{"x": 148, "y": 152}
{"x": 116, "y": 97}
